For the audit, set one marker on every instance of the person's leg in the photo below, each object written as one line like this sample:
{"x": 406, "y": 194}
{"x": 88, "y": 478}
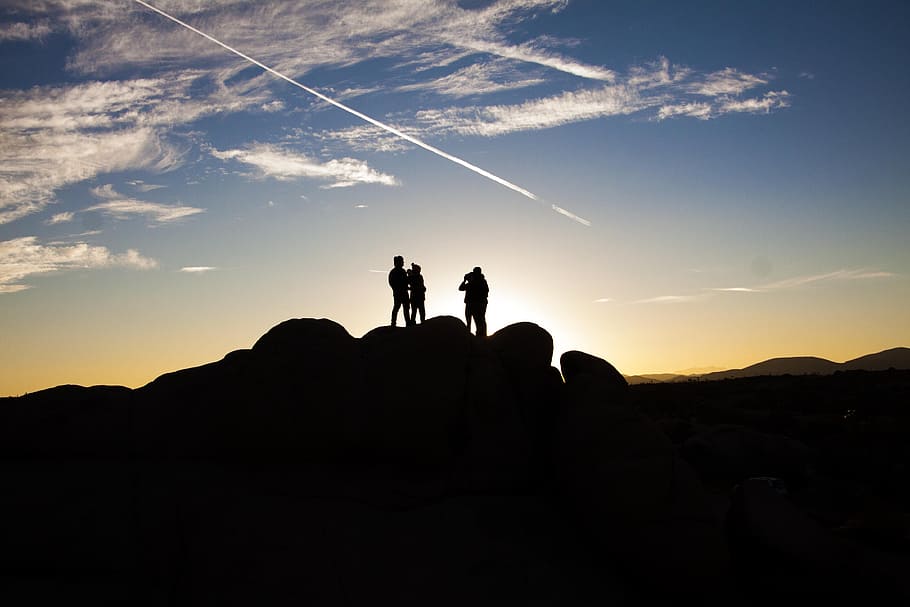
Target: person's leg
{"x": 423, "y": 313}
{"x": 395, "y": 312}
{"x": 467, "y": 316}
{"x": 480, "y": 318}
{"x": 407, "y": 313}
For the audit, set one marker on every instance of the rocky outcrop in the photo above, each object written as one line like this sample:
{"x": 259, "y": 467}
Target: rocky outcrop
{"x": 628, "y": 484}
{"x": 415, "y": 445}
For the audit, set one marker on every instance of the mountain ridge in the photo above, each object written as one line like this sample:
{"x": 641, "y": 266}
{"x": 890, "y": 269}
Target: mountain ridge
{"x": 892, "y": 358}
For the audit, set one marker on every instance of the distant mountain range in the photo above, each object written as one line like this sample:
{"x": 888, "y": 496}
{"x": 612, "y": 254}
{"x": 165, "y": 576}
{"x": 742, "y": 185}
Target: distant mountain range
{"x": 895, "y": 358}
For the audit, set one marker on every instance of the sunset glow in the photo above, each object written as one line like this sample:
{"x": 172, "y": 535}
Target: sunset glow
{"x": 663, "y": 186}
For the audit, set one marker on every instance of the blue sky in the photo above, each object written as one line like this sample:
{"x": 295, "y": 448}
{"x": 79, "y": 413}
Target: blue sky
{"x": 741, "y": 172}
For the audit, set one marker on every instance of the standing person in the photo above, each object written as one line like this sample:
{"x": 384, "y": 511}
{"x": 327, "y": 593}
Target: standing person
{"x": 418, "y": 294}
{"x": 475, "y": 289}
{"x": 398, "y": 280}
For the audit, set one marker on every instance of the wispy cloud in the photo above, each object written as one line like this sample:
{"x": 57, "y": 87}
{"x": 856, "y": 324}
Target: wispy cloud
{"x": 729, "y": 81}
{"x": 25, "y": 256}
{"x": 279, "y": 163}
{"x": 12, "y": 32}
{"x": 339, "y": 33}
{"x": 700, "y": 110}
{"x": 197, "y": 269}
{"x": 773, "y": 100}
{"x": 119, "y": 207}
{"x": 60, "y": 135}
{"x": 781, "y": 285}
{"x": 58, "y": 218}
{"x": 366, "y": 138}
{"x": 734, "y": 290}
{"x": 536, "y": 114}
{"x": 159, "y": 213}
{"x": 837, "y": 275}
{"x": 669, "y": 299}
{"x": 477, "y": 79}
{"x": 603, "y": 300}
{"x": 142, "y": 186}
{"x": 657, "y": 90}
{"x": 845, "y": 274}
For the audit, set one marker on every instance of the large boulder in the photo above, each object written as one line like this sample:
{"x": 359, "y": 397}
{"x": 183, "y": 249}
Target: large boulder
{"x": 497, "y": 450}
{"x": 526, "y": 353}
{"x": 728, "y": 454}
{"x": 779, "y": 549}
{"x": 295, "y": 394}
{"x": 632, "y": 491}
{"x": 414, "y": 382}
{"x": 67, "y": 421}
{"x": 579, "y": 366}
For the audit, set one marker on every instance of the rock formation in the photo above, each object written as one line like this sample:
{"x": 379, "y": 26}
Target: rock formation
{"x": 425, "y": 463}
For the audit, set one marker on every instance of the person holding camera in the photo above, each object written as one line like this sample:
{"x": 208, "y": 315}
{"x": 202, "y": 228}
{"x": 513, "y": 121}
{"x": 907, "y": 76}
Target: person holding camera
{"x": 476, "y": 290}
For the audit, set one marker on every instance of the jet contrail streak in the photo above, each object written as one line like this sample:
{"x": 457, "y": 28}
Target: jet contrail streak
{"x": 366, "y": 118}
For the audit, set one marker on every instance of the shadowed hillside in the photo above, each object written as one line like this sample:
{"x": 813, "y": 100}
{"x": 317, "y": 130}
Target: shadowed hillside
{"x": 414, "y": 466}
{"x": 895, "y": 358}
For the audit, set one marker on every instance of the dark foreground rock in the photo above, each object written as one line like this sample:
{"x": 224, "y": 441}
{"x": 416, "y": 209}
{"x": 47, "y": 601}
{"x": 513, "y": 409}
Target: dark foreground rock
{"x": 412, "y": 466}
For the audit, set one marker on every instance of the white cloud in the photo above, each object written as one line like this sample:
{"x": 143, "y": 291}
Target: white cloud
{"x": 25, "y": 256}
{"x": 197, "y": 269}
{"x": 159, "y": 213}
{"x": 700, "y": 110}
{"x": 189, "y": 78}
{"x": 368, "y": 138}
{"x": 51, "y": 137}
{"x": 142, "y": 186}
{"x": 547, "y": 112}
{"x": 12, "y": 32}
{"x": 670, "y": 299}
{"x": 532, "y": 53}
{"x": 659, "y": 73}
{"x": 656, "y": 90}
{"x": 302, "y": 36}
{"x": 735, "y": 290}
{"x": 34, "y": 165}
{"x": 797, "y": 282}
{"x": 772, "y": 100}
{"x": 728, "y": 81}
{"x": 57, "y": 218}
{"x": 603, "y": 300}
{"x": 104, "y": 191}
{"x": 120, "y": 207}
{"x": 476, "y": 79}
{"x": 278, "y": 163}
{"x": 837, "y": 275}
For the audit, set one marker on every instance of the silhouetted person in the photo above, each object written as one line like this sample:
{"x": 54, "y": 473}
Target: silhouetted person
{"x": 475, "y": 290}
{"x": 418, "y": 293}
{"x": 398, "y": 280}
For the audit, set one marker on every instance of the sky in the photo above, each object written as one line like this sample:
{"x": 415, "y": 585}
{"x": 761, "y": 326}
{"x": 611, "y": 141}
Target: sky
{"x": 665, "y": 185}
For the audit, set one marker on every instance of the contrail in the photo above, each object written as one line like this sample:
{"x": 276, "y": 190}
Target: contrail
{"x": 372, "y": 121}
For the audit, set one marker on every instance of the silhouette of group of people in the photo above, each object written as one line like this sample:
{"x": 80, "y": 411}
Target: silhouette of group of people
{"x": 409, "y": 293}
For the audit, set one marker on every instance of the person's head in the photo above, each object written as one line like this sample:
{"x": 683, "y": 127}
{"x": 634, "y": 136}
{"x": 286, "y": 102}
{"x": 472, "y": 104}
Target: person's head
{"x": 415, "y": 268}
{"x": 399, "y": 261}
{"x": 476, "y": 271}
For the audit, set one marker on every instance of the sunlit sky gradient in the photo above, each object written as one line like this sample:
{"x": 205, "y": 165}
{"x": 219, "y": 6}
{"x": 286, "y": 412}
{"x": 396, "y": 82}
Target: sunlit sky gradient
{"x": 745, "y": 168}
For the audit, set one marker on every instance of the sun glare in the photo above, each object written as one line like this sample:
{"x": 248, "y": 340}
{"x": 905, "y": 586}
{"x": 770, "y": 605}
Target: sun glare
{"x": 508, "y": 308}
